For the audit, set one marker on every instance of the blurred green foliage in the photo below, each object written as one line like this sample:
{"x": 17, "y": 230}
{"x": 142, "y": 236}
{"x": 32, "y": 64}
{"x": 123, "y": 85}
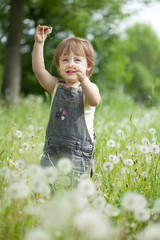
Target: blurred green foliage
{"x": 128, "y": 64}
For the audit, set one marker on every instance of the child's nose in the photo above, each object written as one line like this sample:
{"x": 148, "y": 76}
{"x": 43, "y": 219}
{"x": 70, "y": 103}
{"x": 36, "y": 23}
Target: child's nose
{"x": 71, "y": 62}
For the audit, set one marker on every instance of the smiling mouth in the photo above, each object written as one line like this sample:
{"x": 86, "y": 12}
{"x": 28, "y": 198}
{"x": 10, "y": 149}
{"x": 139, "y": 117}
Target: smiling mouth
{"x": 71, "y": 71}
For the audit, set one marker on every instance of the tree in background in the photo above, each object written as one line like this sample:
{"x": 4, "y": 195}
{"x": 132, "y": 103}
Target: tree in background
{"x": 97, "y": 21}
{"x": 12, "y": 66}
{"x": 144, "y": 55}
{"x": 85, "y": 18}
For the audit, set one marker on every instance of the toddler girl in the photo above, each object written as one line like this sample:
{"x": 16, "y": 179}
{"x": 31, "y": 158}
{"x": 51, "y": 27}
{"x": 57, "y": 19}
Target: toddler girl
{"x": 70, "y": 128}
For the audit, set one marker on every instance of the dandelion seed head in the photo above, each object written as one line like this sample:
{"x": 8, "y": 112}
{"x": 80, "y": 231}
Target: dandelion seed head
{"x": 64, "y": 166}
{"x": 151, "y": 232}
{"x": 37, "y": 234}
{"x": 99, "y": 202}
{"x": 145, "y": 141}
{"x": 18, "y": 190}
{"x": 20, "y": 163}
{"x": 25, "y": 146}
{"x": 86, "y": 187}
{"x": 5, "y": 172}
{"x": 144, "y": 174}
{"x": 108, "y": 166}
{"x": 66, "y": 181}
{"x": 148, "y": 159}
{"x": 50, "y": 174}
{"x": 132, "y": 201}
{"x": 111, "y": 143}
{"x": 128, "y": 162}
{"x": 141, "y": 214}
{"x": 157, "y": 205}
{"x": 92, "y": 225}
{"x": 154, "y": 149}
{"x": 111, "y": 210}
{"x": 113, "y": 158}
{"x": 38, "y": 185}
{"x": 31, "y": 128}
{"x": 30, "y": 210}
{"x": 35, "y": 171}
{"x": 144, "y": 149}
{"x": 21, "y": 150}
{"x": 18, "y": 134}
{"x": 152, "y": 131}
{"x": 120, "y": 133}
{"x": 128, "y": 148}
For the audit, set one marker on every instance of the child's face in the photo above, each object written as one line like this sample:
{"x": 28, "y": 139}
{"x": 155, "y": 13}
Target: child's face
{"x": 70, "y": 64}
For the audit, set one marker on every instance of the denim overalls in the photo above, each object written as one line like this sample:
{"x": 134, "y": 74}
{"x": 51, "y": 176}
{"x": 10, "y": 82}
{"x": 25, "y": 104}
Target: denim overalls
{"x": 67, "y": 134}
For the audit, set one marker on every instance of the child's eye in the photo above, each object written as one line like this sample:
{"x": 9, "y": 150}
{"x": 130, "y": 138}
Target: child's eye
{"x": 77, "y": 60}
{"x": 65, "y": 60}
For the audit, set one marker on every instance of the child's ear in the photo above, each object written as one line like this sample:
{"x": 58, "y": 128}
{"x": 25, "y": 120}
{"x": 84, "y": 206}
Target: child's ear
{"x": 88, "y": 67}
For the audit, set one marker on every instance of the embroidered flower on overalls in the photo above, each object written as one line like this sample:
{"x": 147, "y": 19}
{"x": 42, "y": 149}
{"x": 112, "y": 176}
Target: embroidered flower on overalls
{"x": 61, "y": 114}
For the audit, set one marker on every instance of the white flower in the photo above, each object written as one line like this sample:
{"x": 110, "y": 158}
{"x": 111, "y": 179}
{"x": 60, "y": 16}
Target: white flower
{"x": 132, "y": 201}
{"x": 108, "y": 166}
{"x": 144, "y": 174}
{"x": 111, "y": 143}
{"x": 38, "y": 185}
{"x": 151, "y": 232}
{"x": 18, "y": 134}
{"x": 145, "y": 141}
{"x": 80, "y": 202}
{"x": 18, "y": 190}
{"x": 20, "y": 163}
{"x": 5, "y": 172}
{"x": 152, "y": 131}
{"x": 31, "y": 128}
{"x": 50, "y": 174}
{"x": 128, "y": 148}
{"x": 120, "y": 133}
{"x": 30, "y": 210}
{"x": 148, "y": 159}
{"x": 21, "y": 150}
{"x": 25, "y": 146}
{"x": 99, "y": 202}
{"x": 128, "y": 162}
{"x": 35, "y": 171}
{"x": 154, "y": 149}
{"x": 65, "y": 180}
{"x": 92, "y": 225}
{"x": 37, "y": 234}
{"x": 154, "y": 140}
{"x": 141, "y": 214}
{"x": 144, "y": 149}
{"x": 113, "y": 158}
{"x": 64, "y": 166}
{"x": 111, "y": 210}
{"x": 157, "y": 205}
{"x": 86, "y": 187}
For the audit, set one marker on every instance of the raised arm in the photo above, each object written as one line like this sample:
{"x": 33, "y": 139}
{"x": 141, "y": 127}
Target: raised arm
{"x": 91, "y": 92}
{"x": 46, "y": 80}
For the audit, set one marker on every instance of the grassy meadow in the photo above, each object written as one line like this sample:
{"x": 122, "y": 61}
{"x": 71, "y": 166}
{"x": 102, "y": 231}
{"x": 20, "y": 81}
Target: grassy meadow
{"x": 120, "y": 202}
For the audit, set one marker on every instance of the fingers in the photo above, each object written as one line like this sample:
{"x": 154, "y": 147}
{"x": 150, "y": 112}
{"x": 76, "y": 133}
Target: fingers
{"x": 43, "y": 29}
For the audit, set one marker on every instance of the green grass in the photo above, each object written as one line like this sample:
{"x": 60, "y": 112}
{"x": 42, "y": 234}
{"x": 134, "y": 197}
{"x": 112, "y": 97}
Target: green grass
{"x": 118, "y": 119}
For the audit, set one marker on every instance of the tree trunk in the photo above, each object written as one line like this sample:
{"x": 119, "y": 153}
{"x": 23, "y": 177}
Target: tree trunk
{"x": 12, "y": 64}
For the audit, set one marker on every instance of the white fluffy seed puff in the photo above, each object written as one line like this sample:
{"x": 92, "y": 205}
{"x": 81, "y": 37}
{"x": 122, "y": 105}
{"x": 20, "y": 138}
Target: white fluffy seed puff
{"x": 64, "y": 166}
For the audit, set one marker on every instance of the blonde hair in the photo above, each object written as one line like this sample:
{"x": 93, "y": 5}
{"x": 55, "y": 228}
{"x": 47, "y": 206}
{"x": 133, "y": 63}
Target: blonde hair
{"x": 80, "y": 47}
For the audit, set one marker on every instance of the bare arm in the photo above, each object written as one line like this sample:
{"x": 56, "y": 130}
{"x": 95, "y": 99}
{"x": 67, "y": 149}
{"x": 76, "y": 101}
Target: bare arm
{"x": 46, "y": 80}
{"x": 91, "y": 92}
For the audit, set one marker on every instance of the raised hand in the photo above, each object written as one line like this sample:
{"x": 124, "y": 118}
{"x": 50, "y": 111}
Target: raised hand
{"x": 41, "y": 33}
